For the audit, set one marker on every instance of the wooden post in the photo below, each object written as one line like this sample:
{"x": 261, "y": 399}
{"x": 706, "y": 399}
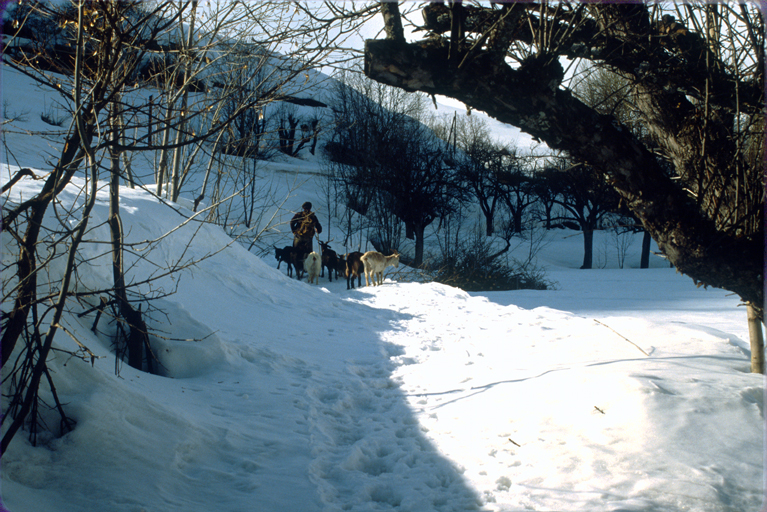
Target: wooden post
{"x": 757, "y": 339}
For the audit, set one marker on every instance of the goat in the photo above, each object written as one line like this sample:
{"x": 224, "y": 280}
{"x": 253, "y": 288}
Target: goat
{"x": 329, "y": 260}
{"x": 354, "y": 268}
{"x": 341, "y": 266}
{"x": 375, "y": 264}
{"x": 284, "y": 254}
{"x": 297, "y": 259}
{"x": 312, "y": 265}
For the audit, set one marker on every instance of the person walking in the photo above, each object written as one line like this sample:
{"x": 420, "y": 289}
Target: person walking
{"x": 304, "y": 225}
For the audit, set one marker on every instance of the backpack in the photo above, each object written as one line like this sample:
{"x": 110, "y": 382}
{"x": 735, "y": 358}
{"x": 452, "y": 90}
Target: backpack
{"x": 306, "y": 228}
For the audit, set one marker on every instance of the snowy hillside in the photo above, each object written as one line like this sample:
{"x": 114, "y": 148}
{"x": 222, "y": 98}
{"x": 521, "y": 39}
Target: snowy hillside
{"x": 617, "y": 390}
{"x": 408, "y": 396}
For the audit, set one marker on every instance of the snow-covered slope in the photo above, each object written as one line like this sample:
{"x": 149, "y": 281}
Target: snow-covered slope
{"x": 621, "y": 390}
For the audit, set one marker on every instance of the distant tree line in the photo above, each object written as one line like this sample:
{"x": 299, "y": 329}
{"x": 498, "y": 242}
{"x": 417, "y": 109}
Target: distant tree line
{"x": 396, "y": 168}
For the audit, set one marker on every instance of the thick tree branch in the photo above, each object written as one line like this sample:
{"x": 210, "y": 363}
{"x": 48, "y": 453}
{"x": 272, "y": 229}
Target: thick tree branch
{"x": 392, "y": 21}
{"x": 618, "y": 34}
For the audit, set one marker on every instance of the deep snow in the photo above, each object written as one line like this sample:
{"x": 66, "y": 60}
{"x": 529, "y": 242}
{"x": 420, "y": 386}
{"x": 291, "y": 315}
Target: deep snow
{"x": 618, "y": 390}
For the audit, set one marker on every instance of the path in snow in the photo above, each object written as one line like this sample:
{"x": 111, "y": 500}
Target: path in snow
{"x": 368, "y": 448}
{"x": 574, "y": 415}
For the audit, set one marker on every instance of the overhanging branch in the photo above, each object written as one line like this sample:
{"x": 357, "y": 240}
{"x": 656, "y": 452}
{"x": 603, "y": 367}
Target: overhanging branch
{"x": 530, "y": 99}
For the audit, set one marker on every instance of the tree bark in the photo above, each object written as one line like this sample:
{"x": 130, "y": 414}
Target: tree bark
{"x": 489, "y": 221}
{"x": 392, "y": 21}
{"x": 517, "y": 216}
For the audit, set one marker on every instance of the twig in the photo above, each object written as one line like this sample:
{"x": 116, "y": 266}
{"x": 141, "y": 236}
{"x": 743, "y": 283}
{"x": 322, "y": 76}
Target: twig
{"x": 622, "y": 336}
{"x": 85, "y": 349}
{"x": 598, "y": 409}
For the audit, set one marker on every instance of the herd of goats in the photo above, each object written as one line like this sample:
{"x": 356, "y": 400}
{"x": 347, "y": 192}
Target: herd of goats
{"x": 351, "y": 265}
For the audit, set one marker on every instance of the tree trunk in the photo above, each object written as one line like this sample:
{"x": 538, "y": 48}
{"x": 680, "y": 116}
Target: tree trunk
{"x": 124, "y": 154}
{"x": 392, "y": 21}
{"x": 419, "y": 230}
{"x": 588, "y": 248}
{"x": 488, "y": 210}
{"x": 517, "y": 215}
{"x": 68, "y": 164}
{"x": 35, "y": 210}
{"x": 178, "y": 151}
{"x": 135, "y": 345}
{"x": 213, "y": 153}
{"x": 40, "y": 366}
{"x": 162, "y": 168}
{"x": 757, "y": 339}
{"x": 490, "y": 228}
{"x": 644, "y": 260}
{"x": 547, "y": 208}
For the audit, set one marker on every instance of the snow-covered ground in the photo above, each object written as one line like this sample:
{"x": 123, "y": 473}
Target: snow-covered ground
{"x": 617, "y": 390}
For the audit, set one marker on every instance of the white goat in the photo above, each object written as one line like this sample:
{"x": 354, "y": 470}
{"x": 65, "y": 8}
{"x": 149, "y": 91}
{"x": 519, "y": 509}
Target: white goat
{"x": 312, "y": 266}
{"x": 375, "y": 264}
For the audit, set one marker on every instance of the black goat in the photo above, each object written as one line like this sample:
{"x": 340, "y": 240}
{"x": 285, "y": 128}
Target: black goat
{"x": 297, "y": 258}
{"x": 329, "y": 260}
{"x": 293, "y": 258}
{"x": 284, "y": 254}
{"x": 341, "y": 266}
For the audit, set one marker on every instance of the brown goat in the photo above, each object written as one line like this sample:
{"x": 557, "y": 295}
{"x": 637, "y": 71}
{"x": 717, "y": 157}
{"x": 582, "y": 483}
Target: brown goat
{"x": 354, "y": 268}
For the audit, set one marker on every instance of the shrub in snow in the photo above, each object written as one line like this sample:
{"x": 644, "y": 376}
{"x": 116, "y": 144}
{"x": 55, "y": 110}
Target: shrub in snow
{"x": 474, "y": 267}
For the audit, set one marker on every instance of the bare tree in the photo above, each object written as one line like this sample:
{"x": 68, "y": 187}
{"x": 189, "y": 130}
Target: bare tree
{"x": 697, "y": 78}
{"x": 388, "y": 155}
{"x": 78, "y": 151}
{"x": 611, "y": 94}
{"x": 478, "y": 162}
{"x": 586, "y": 198}
{"x": 119, "y": 50}
{"x": 516, "y": 183}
